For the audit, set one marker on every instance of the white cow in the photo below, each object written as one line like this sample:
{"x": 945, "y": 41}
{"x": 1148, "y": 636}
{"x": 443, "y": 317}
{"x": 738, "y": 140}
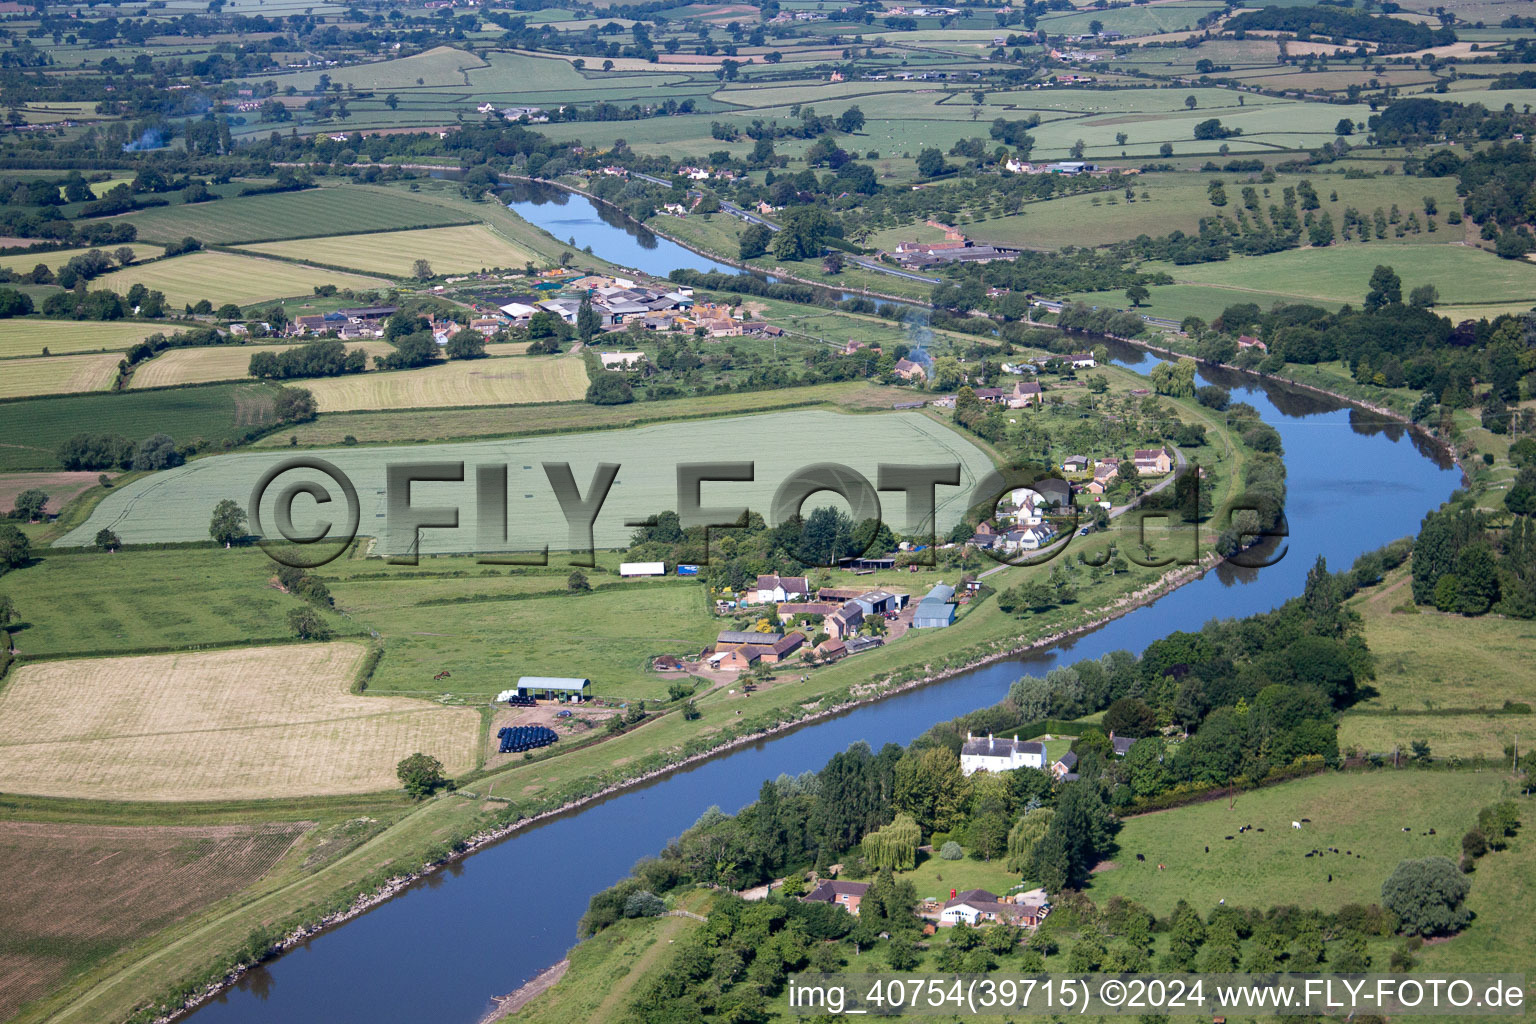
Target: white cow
{"x": 1295, "y": 824}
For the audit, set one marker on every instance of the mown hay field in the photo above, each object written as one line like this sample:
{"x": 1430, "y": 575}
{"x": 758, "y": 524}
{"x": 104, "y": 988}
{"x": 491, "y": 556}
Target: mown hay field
{"x": 222, "y": 277}
{"x": 244, "y": 724}
{"x": 312, "y": 212}
{"x": 449, "y": 250}
{"x": 76, "y": 893}
{"x": 57, "y": 375}
{"x": 506, "y": 381}
{"x": 222, "y": 362}
{"x": 22, "y": 263}
{"x": 28, "y": 337}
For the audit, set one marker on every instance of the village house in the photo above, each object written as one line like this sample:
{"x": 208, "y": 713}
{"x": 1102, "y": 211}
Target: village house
{"x": 1122, "y": 744}
{"x": 487, "y": 326}
{"x": 976, "y": 906}
{"x": 996, "y": 396}
{"x": 1104, "y": 473}
{"x": 906, "y": 369}
{"x": 779, "y": 588}
{"x": 841, "y": 624}
{"x": 844, "y": 894}
{"x": 1025, "y": 393}
{"x": 1152, "y": 461}
{"x": 789, "y": 610}
{"x": 1064, "y": 765}
{"x": 1249, "y": 341}
{"x": 1082, "y": 360}
{"x": 1075, "y": 464}
{"x": 990, "y": 754}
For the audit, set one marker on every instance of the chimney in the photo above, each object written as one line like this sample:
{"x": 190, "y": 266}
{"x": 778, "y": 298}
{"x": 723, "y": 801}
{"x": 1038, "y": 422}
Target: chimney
{"x": 990, "y": 741}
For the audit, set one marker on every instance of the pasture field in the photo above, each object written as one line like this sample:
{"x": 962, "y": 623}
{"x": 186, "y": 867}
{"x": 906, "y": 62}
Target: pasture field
{"x": 500, "y": 381}
{"x": 439, "y": 66}
{"x": 22, "y": 263}
{"x": 174, "y": 504}
{"x": 1178, "y": 202}
{"x": 1430, "y": 660}
{"x": 25, "y": 336}
{"x": 140, "y": 880}
{"x": 342, "y": 209}
{"x": 222, "y": 277}
{"x": 1176, "y": 301}
{"x": 449, "y": 250}
{"x": 1361, "y": 812}
{"x": 86, "y": 603}
{"x": 249, "y": 723}
{"x": 494, "y": 632}
{"x": 1448, "y": 734}
{"x": 1342, "y": 272}
{"x": 34, "y": 428}
{"x": 422, "y": 425}
{"x": 60, "y": 487}
{"x": 57, "y": 375}
{"x": 220, "y": 362}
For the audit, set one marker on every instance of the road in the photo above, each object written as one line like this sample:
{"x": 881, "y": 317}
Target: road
{"x": 1178, "y": 467}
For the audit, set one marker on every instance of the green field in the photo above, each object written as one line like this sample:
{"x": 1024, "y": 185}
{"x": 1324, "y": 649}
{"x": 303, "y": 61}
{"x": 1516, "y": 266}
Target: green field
{"x": 174, "y": 505}
{"x": 34, "y": 428}
{"x": 28, "y": 337}
{"x": 449, "y": 250}
{"x": 608, "y": 636}
{"x": 1364, "y": 813}
{"x": 102, "y": 604}
{"x": 222, "y": 277}
{"x": 55, "y": 375}
{"x": 23, "y": 263}
{"x": 345, "y": 209}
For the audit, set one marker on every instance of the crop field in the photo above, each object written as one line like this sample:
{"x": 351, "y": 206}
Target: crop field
{"x": 28, "y": 337}
{"x": 140, "y": 880}
{"x": 448, "y": 250}
{"x": 486, "y": 638}
{"x": 60, "y": 487}
{"x": 344, "y": 209}
{"x": 57, "y": 375}
{"x": 440, "y": 66}
{"x": 1342, "y": 272}
{"x": 222, "y": 277}
{"x": 498, "y": 381}
{"x": 1363, "y": 813}
{"x": 422, "y": 425}
{"x": 220, "y": 362}
{"x": 250, "y": 723}
{"x": 174, "y": 504}
{"x": 77, "y": 604}
{"x": 23, "y": 263}
{"x": 33, "y": 428}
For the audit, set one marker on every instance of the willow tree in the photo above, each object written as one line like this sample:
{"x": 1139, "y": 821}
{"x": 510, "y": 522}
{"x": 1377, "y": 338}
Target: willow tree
{"x": 895, "y": 845}
{"x": 1026, "y": 832}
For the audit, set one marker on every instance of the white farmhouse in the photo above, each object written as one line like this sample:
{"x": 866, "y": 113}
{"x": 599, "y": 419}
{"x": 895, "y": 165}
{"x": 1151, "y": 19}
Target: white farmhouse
{"x": 990, "y": 754}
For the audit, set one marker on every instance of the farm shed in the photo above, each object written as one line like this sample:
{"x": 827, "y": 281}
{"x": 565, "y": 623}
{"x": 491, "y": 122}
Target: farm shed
{"x": 935, "y": 610}
{"x": 629, "y": 570}
{"x": 548, "y": 688}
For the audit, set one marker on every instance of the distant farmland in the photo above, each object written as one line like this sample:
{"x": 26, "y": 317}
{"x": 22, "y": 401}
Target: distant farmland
{"x": 222, "y": 277}
{"x": 57, "y": 375}
{"x": 313, "y": 212}
{"x": 502, "y": 381}
{"x": 220, "y": 362}
{"x": 243, "y": 724}
{"x": 23, "y": 262}
{"x": 173, "y": 505}
{"x": 28, "y": 337}
{"x": 448, "y": 250}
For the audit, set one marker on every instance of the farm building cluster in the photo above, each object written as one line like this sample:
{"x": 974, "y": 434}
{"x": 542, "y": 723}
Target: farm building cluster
{"x": 970, "y": 907}
{"x": 619, "y": 302}
{"x": 991, "y": 753}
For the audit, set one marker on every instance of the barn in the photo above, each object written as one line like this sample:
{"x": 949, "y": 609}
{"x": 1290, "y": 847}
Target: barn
{"x": 935, "y": 610}
{"x": 548, "y": 688}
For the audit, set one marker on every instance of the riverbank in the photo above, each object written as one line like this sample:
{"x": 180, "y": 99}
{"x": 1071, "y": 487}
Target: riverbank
{"x": 698, "y": 250}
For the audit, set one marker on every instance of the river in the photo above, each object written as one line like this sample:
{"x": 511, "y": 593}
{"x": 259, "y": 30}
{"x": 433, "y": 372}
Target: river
{"x": 437, "y": 952}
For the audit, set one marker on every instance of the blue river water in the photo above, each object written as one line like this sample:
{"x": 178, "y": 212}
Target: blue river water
{"x": 438, "y": 952}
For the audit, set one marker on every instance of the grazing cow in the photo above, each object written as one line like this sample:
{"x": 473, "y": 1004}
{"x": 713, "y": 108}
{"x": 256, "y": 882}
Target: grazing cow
{"x": 1330, "y": 878}
{"x": 1229, "y": 837}
{"x": 1306, "y": 855}
{"x": 1431, "y": 831}
{"x": 1295, "y": 824}
{"x": 1140, "y": 856}
{"x": 1207, "y": 849}
{"x": 1160, "y": 867}
{"x": 1261, "y": 830}
{"x": 1306, "y": 821}
{"x": 1405, "y": 830}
